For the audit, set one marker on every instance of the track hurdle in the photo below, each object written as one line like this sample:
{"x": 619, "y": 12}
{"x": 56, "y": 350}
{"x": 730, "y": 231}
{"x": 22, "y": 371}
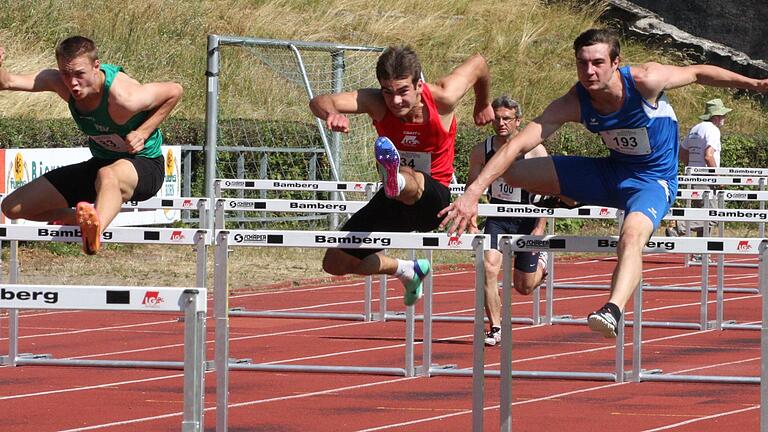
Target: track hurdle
{"x": 323, "y": 206}
{"x": 727, "y": 171}
{"x": 189, "y": 301}
{"x": 165, "y": 236}
{"x": 604, "y": 244}
{"x": 330, "y": 239}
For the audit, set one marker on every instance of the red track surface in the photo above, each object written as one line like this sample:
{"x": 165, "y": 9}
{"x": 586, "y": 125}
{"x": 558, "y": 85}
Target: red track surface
{"x": 49, "y": 398}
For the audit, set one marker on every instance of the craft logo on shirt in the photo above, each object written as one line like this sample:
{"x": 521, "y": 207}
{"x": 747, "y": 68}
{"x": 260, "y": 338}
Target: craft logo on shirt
{"x": 410, "y": 139}
{"x": 593, "y": 121}
{"x": 101, "y": 128}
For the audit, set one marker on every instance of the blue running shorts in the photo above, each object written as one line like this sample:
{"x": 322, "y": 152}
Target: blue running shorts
{"x": 605, "y": 182}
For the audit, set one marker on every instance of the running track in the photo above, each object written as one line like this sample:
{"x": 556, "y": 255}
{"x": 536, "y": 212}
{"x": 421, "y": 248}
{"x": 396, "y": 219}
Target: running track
{"x": 48, "y": 398}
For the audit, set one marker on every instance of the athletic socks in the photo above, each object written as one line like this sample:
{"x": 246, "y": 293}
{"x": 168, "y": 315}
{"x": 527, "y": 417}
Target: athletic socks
{"x": 405, "y": 269}
{"x": 614, "y": 310}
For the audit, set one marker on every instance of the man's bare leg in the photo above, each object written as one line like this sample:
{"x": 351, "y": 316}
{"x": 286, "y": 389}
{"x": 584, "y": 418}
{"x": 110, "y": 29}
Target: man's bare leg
{"x": 115, "y": 184}
{"x": 635, "y": 232}
{"x": 39, "y": 201}
{"x": 410, "y": 272}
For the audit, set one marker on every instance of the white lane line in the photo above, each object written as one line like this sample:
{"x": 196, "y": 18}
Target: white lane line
{"x": 95, "y": 329}
{"x": 709, "y": 417}
{"x": 91, "y": 387}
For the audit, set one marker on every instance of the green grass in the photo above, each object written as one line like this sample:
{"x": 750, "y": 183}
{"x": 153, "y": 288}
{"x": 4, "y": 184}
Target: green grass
{"x": 527, "y": 42}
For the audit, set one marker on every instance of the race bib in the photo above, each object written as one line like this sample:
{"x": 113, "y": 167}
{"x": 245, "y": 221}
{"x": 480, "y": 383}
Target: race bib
{"x": 418, "y": 161}
{"x": 501, "y": 190}
{"x": 111, "y": 142}
{"x": 627, "y": 141}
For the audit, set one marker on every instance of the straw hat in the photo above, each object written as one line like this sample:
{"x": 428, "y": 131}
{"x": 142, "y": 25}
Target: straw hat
{"x": 715, "y": 107}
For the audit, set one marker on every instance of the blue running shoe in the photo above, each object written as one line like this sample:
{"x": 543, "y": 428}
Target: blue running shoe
{"x": 413, "y": 291}
{"x": 389, "y": 159}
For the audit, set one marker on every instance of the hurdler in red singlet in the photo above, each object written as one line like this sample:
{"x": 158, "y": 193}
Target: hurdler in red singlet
{"x": 417, "y": 129}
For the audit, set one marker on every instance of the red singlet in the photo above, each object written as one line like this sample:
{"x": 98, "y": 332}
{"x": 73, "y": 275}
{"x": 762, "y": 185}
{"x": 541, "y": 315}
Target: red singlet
{"x": 426, "y": 146}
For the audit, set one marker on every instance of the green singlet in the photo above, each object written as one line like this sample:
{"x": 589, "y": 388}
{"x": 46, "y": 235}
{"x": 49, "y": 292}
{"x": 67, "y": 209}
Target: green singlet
{"x": 105, "y": 137}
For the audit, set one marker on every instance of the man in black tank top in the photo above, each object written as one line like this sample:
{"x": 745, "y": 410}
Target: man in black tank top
{"x": 529, "y": 267}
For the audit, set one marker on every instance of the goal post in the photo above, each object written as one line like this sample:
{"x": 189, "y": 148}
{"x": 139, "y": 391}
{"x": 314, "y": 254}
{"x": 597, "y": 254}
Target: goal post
{"x": 258, "y": 123}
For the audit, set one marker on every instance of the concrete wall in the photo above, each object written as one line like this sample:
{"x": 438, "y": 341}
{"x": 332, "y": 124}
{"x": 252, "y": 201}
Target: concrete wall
{"x": 719, "y": 27}
{"x": 739, "y": 24}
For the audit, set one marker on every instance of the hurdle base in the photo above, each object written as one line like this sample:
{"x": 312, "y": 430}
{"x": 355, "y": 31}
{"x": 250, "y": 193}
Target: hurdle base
{"x": 630, "y": 375}
{"x": 241, "y": 312}
{"x": 7, "y": 360}
{"x": 366, "y": 370}
{"x": 700, "y": 378}
{"x": 735, "y": 326}
{"x": 400, "y": 316}
{"x": 424, "y": 371}
{"x": 492, "y": 373}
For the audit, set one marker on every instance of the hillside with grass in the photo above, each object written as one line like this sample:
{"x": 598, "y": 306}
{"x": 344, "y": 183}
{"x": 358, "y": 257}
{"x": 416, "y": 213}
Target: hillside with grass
{"x": 526, "y": 42}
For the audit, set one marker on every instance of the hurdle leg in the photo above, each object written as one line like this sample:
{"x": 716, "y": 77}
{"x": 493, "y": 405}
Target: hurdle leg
{"x": 194, "y": 361}
{"x": 637, "y": 333}
{"x": 763, "y": 278}
{"x": 426, "y": 353}
{"x": 367, "y": 296}
{"x": 550, "y": 301}
{"x": 620, "y": 348}
{"x": 382, "y": 297}
{"x": 221, "y": 307}
{"x": 703, "y": 314}
{"x": 478, "y": 341}
{"x": 505, "y": 402}
{"x": 13, "y": 314}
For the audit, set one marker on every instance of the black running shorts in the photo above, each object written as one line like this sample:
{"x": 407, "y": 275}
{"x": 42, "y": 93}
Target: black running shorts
{"x": 389, "y": 215}
{"x": 77, "y": 182}
{"x": 526, "y": 262}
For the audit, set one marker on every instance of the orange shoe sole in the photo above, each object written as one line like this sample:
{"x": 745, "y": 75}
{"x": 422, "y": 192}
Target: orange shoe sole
{"x": 90, "y": 230}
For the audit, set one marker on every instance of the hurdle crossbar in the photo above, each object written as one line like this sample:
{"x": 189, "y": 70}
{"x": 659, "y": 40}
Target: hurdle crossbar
{"x": 728, "y": 171}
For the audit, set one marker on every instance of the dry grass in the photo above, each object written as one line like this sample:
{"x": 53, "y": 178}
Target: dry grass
{"x": 527, "y": 43}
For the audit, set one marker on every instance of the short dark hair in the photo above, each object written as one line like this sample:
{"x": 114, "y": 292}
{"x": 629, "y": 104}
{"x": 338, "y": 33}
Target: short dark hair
{"x": 599, "y": 35}
{"x": 507, "y": 102}
{"x": 397, "y": 62}
{"x": 75, "y": 46}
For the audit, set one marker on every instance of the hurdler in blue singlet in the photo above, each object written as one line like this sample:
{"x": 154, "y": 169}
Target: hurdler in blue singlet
{"x": 641, "y": 172}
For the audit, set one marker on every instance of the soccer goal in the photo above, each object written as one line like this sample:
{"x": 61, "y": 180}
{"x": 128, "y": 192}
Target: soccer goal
{"x": 258, "y": 122}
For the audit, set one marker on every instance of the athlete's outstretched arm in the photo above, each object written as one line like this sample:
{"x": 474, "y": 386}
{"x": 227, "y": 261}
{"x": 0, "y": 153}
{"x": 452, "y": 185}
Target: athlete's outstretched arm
{"x": 43, "y": 80}
{"x": 463, "y": 211}
{"x": 332, "y": 107}
{"x": 654, "y": 78}
{"x": 472, "y": 74}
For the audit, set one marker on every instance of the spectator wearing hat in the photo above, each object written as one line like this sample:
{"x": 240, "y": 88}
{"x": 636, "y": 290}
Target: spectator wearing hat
{"x": 701, "y": 148}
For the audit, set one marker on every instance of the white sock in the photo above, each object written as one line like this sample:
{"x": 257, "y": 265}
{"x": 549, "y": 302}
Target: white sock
{"x": 405, "y": 270}
{"x": 400, "y": 183}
